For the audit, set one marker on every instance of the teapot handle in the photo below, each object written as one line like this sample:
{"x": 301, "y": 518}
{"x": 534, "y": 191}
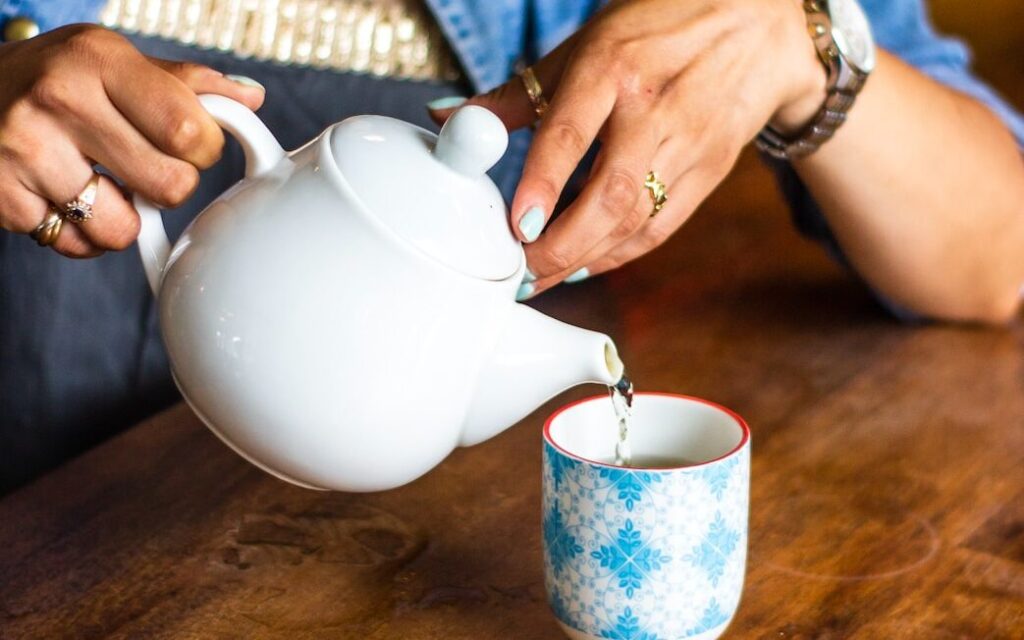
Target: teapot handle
{"x": 262, "y": 153}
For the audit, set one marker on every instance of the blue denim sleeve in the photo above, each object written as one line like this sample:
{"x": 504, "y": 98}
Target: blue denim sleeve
{"x": 50, "y": 14}
{"x": 903, "y": 28}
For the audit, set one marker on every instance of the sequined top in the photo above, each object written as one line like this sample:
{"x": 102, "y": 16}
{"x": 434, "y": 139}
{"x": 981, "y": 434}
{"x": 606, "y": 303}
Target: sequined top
{"x": 395, "y": 38}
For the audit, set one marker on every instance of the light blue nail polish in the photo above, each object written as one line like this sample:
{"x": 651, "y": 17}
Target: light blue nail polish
{"x": 582, "y": 274}
{"x": 532, "y": 223}
{"x": 449, "y": 102}
{"x": 525, "y": 291}
{"x": 529, "y": 277}
{"x": 246, "y": 81}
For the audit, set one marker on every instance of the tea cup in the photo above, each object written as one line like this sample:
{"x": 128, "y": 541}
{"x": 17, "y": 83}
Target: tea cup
{"x": 645, "y": 553}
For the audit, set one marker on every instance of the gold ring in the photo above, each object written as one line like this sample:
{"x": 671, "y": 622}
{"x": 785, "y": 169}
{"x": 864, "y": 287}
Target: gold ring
{"x": 658, "y": 191}
{"x": 534, "y": 91}
{"x": 48, "y": 230}
{"x": 80, "y": 209}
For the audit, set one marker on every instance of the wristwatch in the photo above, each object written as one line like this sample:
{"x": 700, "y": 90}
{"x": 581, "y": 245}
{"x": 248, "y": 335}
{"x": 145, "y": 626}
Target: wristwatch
{"x": 842, "y": 36}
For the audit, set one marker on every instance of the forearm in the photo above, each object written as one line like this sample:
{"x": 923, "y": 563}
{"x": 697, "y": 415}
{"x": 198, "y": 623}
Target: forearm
{"x": 923, "y": 188}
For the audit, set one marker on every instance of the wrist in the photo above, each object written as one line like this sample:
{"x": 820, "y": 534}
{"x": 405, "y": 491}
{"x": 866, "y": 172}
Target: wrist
{"x": 794, "y": 117}
{"x": 807, "y": 78}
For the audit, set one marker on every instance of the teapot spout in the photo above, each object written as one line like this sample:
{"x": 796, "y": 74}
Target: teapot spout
{"x": 535, "y": 359}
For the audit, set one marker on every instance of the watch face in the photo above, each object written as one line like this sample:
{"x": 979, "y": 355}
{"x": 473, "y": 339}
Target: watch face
{"x": 852, "y": 33}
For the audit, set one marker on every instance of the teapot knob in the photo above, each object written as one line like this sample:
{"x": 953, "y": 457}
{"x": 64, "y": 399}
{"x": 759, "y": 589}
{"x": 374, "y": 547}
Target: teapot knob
{"x": 471, "y": 141}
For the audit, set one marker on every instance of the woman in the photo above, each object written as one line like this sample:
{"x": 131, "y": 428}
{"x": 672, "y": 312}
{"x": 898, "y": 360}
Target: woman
{"x": 920, "y": 189}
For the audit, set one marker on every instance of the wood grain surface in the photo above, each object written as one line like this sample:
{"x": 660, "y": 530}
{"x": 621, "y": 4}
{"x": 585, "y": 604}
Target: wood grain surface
{"x": 887, "y": 492}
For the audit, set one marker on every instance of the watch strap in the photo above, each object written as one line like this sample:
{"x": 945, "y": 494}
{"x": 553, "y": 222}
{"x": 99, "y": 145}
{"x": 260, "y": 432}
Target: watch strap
{"x": 821, "y": 128}
{"x": 838, "y": 101}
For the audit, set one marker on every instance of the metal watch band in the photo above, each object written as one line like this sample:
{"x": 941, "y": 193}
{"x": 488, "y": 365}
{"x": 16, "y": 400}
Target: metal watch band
{"x": 822, "y": 127}
{"x": 838, "y": 101}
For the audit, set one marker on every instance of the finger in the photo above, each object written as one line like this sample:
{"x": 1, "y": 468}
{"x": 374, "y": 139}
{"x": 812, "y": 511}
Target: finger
{"x": 648, "y": 238}
{"x": 672, "y": 161}
{"x": 565, "y": 134}
{"x": 114, "y": 224}
{"x": 110, "y": 140}
{"x": 686, "y": 193}
{"x": 651, "y": 235}
{"x": 509, "y": 101}
{"x": 202, "y": 79}
{"x": 673, "y": 158}
{"x": 31, "y": 209}
{"x": 73, "y": 243}
{"x": 21, "y": 211}
{"x": 588, "y": 265}
{"x": 606, "y": 211}
{"x": 165, "y": 111}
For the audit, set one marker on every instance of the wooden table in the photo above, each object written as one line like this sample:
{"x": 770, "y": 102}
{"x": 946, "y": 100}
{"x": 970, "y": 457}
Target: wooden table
{"x": 887, "y": 497}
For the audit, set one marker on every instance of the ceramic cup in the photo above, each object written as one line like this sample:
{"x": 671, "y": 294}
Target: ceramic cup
{"x": 645, "y": 554}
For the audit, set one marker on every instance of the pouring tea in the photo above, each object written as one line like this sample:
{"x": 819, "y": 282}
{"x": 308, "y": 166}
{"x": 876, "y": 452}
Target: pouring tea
{"x": 344, "y": 316}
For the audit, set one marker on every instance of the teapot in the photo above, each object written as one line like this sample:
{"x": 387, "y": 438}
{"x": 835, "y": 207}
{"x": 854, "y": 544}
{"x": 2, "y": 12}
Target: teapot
{"x": 344, "y": 316}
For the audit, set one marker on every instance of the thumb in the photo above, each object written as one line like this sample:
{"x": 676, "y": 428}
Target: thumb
{"x": 202, "y": 79}
{"x": 508, "y": 101}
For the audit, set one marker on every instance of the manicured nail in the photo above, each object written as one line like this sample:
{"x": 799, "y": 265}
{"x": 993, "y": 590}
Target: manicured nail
{"x": 582, "y": 274}
{"x": 246, "y": 81}
{"x": 532, "y": 223}
{"x": 525, "y": 291}
{"x": 528, "y": 276}
{"x": 449, "y": 102}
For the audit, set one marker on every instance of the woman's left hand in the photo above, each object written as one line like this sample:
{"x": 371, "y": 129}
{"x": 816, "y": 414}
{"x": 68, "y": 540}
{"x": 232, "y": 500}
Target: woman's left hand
{"x": 678, "y": 88}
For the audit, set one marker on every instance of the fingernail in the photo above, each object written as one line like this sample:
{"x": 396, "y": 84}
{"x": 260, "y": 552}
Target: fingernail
{"x": 529, "y": 277}
{"x": 246, "y": 81}
{"x": 525, "y": 291}
{"x": 582, "y": 274}
{"x": 532, "y": 223}
{"x": 449, "y": 102}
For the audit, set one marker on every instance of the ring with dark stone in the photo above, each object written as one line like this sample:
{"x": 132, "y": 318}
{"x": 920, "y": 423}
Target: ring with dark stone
{"x": 80, "y": 209}
{"x": 77, "y": 211}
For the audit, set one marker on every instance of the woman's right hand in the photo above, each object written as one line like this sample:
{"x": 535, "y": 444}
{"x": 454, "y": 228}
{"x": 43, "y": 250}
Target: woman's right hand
{"x": 83, "y": 95}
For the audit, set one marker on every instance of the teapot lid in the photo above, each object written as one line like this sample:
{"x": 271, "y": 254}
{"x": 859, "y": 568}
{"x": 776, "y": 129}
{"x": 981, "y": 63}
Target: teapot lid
{"x": 433, "y": 190}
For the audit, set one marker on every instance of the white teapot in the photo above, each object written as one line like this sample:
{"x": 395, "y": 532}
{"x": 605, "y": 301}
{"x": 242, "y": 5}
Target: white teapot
{"x": 344, "y": 316}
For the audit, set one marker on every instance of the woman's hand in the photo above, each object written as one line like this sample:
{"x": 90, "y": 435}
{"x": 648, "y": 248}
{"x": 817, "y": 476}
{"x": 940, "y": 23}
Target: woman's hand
{"x": 82, "y": 95}
{"x": 674, "y": 87}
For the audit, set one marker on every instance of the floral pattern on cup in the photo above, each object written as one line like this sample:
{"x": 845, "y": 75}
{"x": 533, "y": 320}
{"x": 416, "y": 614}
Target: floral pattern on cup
{"x": 634, "y": 554}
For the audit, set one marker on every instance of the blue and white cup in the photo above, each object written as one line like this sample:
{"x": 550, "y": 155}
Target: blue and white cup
{"x": 645, "y": 553}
